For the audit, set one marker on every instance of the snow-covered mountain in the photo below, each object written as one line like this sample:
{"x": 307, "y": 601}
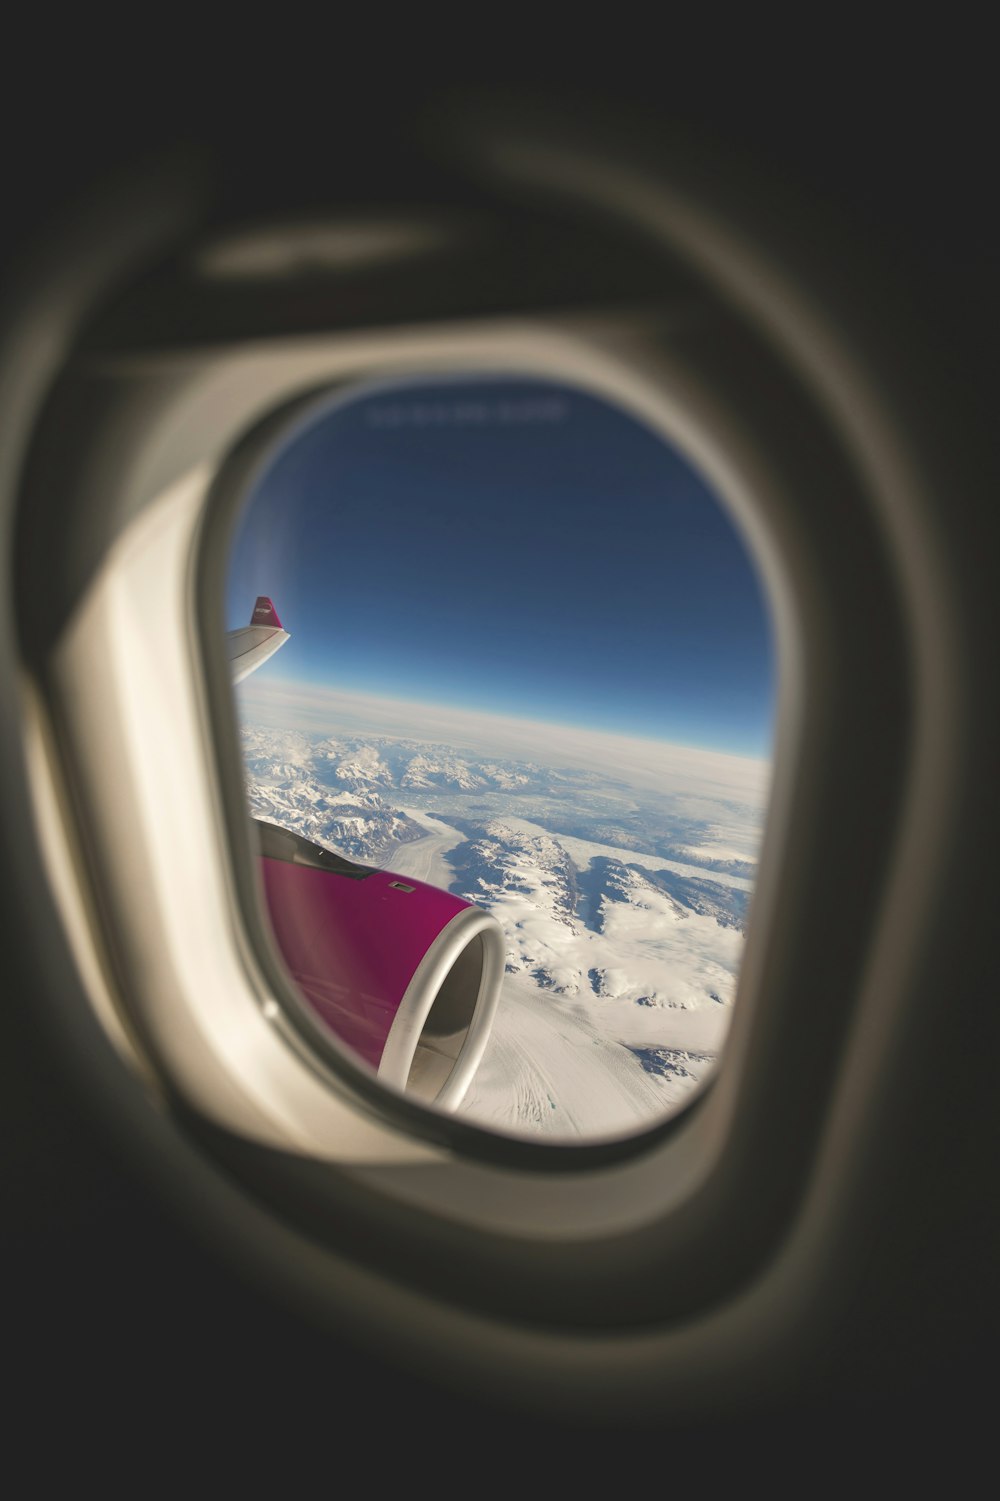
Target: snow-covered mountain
{"x": 621, "y": 961}
{"x": 440, "y": 771}
{"x": 325, "y": 791}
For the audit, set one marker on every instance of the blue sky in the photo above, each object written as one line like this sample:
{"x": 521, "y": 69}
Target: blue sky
{"x": 514, "y": 547}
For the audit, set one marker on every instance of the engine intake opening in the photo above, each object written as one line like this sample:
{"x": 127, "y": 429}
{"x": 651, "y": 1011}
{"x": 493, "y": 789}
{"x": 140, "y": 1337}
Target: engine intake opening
{"x": 448, "y": 1021}
{"x": 444, "y": 1020}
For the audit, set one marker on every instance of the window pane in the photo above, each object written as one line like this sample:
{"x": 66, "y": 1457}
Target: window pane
{"x": 529, "y": 665}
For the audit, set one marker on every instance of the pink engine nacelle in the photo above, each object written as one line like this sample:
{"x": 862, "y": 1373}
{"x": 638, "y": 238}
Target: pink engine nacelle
{"x": 407, "y": 975}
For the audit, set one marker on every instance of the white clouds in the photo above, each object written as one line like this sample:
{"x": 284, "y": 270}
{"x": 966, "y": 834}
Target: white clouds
{"x": 649, "y": 764}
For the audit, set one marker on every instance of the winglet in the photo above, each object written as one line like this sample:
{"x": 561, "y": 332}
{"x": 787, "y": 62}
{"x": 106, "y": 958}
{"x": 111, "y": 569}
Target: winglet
{"x": 264, "y": 613}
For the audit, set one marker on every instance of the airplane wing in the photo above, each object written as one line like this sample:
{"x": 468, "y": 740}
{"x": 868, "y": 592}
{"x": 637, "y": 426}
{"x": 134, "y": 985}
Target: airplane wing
{"x": 252, "y": 644}
{"x": 423, "y": 1019}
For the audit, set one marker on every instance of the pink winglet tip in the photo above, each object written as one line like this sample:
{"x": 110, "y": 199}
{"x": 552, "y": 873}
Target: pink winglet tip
{"x": 264, "y": 613}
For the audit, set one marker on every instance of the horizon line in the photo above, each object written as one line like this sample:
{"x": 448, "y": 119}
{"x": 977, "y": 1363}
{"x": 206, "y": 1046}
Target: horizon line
{"x": 300, "y": 687}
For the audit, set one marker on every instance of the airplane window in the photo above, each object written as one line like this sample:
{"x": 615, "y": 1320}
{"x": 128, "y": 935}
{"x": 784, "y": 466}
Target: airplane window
{"x": 524, "y": 691}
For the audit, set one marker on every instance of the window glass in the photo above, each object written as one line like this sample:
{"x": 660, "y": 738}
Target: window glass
{"x": 529, "y": 667}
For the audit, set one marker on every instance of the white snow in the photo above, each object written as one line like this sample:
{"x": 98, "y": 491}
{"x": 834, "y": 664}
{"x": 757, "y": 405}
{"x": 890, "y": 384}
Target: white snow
{"x": 582, "y": 851}
{"x": 447, "y": 771}
{"x": 550, "y": 1069}
{"x": 424, "y": 858}
{"x": 607, "y": 971}
{"x": 703, "y": 854}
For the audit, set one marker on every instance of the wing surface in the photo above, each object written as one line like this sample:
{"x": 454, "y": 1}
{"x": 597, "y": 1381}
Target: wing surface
{"x": 252, "y": 644}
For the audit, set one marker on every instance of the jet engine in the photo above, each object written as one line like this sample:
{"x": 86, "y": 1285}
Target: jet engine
{"x": 403, "y": 973}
